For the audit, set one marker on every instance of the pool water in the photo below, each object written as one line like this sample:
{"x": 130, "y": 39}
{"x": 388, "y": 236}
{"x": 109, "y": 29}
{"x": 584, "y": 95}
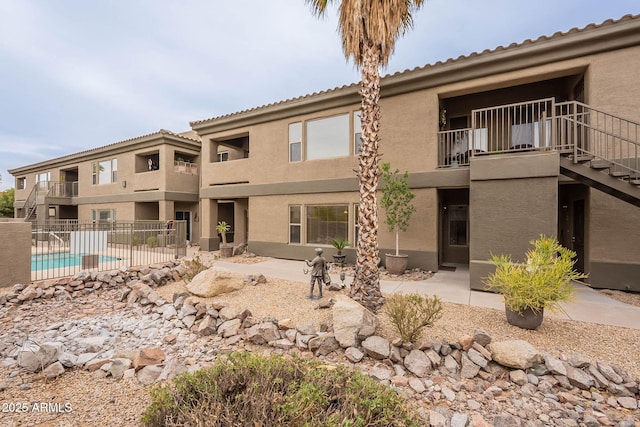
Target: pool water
{"x": 61, "y": 260}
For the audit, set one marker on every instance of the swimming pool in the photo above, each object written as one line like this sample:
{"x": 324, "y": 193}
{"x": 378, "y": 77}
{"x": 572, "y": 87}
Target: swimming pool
{"x": 56, "y": 260}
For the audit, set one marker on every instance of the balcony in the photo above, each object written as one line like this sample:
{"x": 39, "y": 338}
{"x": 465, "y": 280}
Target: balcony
{"x": 525, "y": 126}
{"x": 185, "y": 167}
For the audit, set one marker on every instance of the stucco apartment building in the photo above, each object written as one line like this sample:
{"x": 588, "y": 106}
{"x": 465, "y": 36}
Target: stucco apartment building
{"x": 151, "y": 177}
{"x": 535, "y": 138}
{"x": 501, "y": 146}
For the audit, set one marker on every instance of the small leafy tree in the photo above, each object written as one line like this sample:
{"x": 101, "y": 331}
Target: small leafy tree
{"x": 6, "y": 203}
{"x": 223, "y": 228}
{"x": 396, "y": 201}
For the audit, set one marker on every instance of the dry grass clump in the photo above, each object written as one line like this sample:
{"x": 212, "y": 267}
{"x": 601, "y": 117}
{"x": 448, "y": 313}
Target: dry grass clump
{"x": 248, "y": 389}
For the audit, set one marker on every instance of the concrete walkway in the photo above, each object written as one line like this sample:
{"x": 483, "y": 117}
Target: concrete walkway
{"x": 453, "y": 286}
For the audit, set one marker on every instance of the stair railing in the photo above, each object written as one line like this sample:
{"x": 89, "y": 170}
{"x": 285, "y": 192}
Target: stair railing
{"x": 590, "y": 132}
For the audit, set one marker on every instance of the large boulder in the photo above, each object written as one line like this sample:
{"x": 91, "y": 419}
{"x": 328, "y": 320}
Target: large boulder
{"x": 34, "y": 357}
{"x": 351, "y": 321}
{"x": 210, "y": 283}
{"x": 518, "y": 354}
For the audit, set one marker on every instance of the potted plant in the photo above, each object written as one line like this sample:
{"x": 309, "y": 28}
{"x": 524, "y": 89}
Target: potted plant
{"x": 223, "y": 228}
{"x": 543, "y": 281}
{"x": 339, "y": 244}
{"x": 396, "y": 201}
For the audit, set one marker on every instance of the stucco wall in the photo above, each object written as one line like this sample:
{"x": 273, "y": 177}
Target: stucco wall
{"x": 513, "y": 199}
{"x": 15, "y": 253}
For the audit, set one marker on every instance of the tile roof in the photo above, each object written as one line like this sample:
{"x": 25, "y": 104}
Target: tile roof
{"x": 556, "y": 35}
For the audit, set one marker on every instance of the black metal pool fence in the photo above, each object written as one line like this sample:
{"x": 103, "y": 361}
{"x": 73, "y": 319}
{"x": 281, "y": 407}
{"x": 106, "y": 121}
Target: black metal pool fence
{"x": 65, "y": 247}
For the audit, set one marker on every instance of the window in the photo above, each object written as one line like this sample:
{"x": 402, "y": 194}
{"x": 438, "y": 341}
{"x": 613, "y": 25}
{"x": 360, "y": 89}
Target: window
{"x": 21, "y": 183}
{"x": 295, "y": 142}
{"x": 223, "y": 156}
{"x": 458, "y": 221}
{"x": 357, "y": 132}
{"x": 103, "y": 215}
{"x": 328, "y": 137}
{"x": 295, "y": 224}
{"x": 104, "y": 172}
{"x": 325, "y": 223}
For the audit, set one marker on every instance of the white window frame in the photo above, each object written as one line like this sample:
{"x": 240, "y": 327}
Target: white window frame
{"x": 223, "y": 156}
{"x": 112, "y": 173}
{"x": 295, "y": 140}
{"x": 357, "y": 132}
{"x": 294, "y": 224}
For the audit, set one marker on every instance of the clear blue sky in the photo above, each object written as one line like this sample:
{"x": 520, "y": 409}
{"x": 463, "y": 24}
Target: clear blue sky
{"x": 78, "y": 74}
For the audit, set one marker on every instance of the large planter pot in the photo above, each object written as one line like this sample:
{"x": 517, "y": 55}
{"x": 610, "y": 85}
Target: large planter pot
{"x": 396, "y": 264}
{"x": 226, "y": 251}
{"x": 526, "y": 319}
{"x": 339, "y": 259}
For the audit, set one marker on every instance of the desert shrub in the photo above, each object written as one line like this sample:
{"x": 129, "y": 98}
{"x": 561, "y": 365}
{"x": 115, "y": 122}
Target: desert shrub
{"x": 411, "y": 313}
{"x": 193, "y": 267}
{"x": 253, "y": 390}
{"x": 152, "y": 241}
{"x": 135, "y": 240}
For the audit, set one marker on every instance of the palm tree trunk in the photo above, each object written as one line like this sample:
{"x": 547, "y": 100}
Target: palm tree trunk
{"x": 366, "y": 285}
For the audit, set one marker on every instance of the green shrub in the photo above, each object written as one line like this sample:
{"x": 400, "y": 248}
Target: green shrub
{"x": 193, "y": 267}
{"x": 253, "y": 390}
{"x": 411, "y": 313}
{"x": 541, "y": 282}
{"x": 152, "y": 241}
{"x": 135, "y": 240}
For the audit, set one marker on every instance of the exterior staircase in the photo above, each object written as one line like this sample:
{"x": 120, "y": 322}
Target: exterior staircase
{"x": 31, "y": 204}
{"x": 599, "y": 149}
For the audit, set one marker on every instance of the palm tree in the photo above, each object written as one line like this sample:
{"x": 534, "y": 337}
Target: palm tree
{"x": 369, "y": 30}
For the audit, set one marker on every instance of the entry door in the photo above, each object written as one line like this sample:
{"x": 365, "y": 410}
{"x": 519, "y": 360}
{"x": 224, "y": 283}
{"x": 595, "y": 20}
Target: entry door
{"x": 578, "y": 234}
{"x": 185, "y": 216}
{"x": 455, "y": 237}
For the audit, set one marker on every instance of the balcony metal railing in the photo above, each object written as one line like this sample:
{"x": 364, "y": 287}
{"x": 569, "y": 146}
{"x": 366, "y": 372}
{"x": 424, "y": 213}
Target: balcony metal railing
{"x": 515, "y": 127}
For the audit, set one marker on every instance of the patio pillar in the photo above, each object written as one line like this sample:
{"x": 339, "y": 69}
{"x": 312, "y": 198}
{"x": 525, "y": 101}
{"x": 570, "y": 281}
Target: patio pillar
{"x": 513, "y": 199}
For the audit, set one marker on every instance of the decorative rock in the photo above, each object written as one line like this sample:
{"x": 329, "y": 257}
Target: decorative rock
{"x": 286, "y": 324}
{"x": 149, "y": 374}
{"x": 229, "y": 328}
{"x": 466, "y": 342}
{"x": 36, "y": 357}
{"x": 459, "y": 420}
{"x": 579, "y": 378}
{"x": 323, "y": 344}
{"x": 481, "y": 337}
{"x": 518, "y": 377}
{"x": 227, "y": 313}
{"x": 477, "y": 358}
{"x": 118, "y": 367}
{"x": 609, "y": 373}
{"x": 628, "y": 402}
{"x": 417, "y": 385}
{"x": 353, "y": 354}
{"x": 376, "y": 347}
{"x": 210, "y": 283}
{"x": 516, "y": 354}
{"x": 436, "y": 419}
{"x": 95, "y": 364}
{"x": 554, "y": 365}
{"x": 381, "y": 373}
{"x": 148, "y": 356}
{"x": 282, "y": 343}
{"x": 417, "y": 363}
{"x": 469, "y": 369}
{"x": 207, "y": 326}
{"x": 53, "y": 370}
{"x": 433, "y": 357}
{"x": 263, "y": 333}
{"x": 351, "y": 320}
{"x": 450, "y": 364}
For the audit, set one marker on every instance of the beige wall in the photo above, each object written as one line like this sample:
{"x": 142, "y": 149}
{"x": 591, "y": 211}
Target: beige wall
{"x": 15, "y": 253}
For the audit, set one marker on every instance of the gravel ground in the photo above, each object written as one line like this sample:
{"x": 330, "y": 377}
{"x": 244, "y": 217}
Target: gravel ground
{"x": 103, "y": 401}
